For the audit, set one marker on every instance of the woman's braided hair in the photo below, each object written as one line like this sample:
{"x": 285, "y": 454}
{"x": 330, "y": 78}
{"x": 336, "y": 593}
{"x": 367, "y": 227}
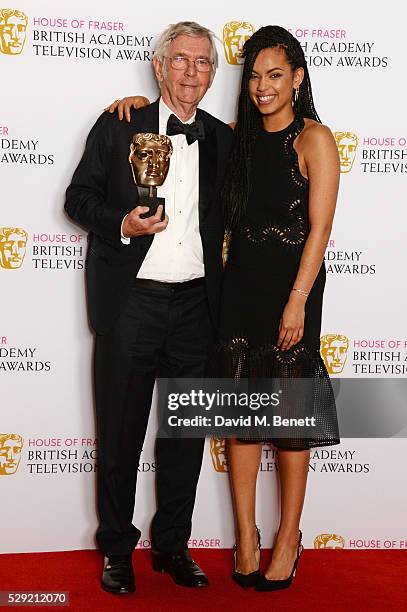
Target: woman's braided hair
{"x": 237, "y": 184}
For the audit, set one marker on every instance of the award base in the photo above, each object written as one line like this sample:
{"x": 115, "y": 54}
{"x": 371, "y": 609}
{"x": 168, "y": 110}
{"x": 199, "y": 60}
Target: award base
{"x": 153, "y": 202}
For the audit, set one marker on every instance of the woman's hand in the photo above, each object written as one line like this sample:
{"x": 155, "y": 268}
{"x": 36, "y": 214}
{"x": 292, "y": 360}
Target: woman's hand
{"x": 291, "y": 328}
{"x": 125, "y": 105}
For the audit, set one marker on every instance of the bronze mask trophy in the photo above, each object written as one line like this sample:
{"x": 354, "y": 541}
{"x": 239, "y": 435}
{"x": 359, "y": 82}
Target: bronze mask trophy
{"x": 150, "y": 161}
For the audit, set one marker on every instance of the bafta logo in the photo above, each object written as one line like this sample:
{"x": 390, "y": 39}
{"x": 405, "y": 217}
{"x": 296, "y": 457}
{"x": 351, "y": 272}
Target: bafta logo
{"x": 13, "y": 244}
{"x": 329, "y": 541}
{"x": 334, "y": 351}
{"x": 150, "y": 161}
{"x": 11, "y": 446}
{"x": 218, "y": 454}
{"x": 13, "y": 28}
{"x": 347, "y": 143}
{"x": 235, "y": 34}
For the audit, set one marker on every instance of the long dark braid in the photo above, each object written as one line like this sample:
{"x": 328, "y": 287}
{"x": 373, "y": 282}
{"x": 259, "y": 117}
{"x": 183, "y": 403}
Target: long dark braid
{"x": 237, "y": 183}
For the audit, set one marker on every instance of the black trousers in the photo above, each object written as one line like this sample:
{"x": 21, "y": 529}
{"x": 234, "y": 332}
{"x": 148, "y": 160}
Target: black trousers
{"x": 162, "y": 332}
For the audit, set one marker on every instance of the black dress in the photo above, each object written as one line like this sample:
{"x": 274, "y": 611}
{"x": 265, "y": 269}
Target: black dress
{"x": 263, "y": 261}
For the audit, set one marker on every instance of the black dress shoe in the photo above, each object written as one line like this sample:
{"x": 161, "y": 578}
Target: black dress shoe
{"x": 118, "y": 574}
{"x": 181, "y": 567}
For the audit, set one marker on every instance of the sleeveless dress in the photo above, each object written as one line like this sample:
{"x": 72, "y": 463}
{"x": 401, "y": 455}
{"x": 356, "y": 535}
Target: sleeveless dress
{"x": 264, "y": 256}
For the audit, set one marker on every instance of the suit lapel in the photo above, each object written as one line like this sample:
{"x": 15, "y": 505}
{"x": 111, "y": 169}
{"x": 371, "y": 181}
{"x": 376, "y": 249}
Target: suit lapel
{"x": 207, "y": 167}
{"x": 148, "y": 122}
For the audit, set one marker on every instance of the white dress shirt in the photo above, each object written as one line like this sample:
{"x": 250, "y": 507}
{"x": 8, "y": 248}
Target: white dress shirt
{"x": 176, "y": 254}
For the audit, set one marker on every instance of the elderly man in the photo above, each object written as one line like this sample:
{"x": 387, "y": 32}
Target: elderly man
{"x": 153, "y": 289}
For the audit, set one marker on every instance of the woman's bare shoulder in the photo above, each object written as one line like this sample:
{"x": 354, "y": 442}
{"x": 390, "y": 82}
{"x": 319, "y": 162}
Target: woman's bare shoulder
{"x": 316, "y": 143}
{"x": 315, "y": 132}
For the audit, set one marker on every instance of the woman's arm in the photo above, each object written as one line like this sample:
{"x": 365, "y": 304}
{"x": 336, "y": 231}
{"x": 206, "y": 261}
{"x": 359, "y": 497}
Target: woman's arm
{"x": 125, "y": 105}
{"x": 317, "y": 151}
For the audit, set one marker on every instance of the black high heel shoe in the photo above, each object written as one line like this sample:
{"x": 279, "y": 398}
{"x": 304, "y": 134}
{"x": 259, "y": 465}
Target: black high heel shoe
{"x": 247, "y": 580}
{"x": 275, "y": 585}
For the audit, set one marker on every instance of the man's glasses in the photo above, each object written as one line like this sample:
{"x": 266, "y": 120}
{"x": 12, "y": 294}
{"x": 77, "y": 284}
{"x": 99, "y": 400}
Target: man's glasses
{"x": 180, "y": 62}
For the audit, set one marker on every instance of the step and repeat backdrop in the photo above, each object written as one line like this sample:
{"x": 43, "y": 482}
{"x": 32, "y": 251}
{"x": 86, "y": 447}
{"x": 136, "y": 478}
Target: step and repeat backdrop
{"x": 60, "y": 65}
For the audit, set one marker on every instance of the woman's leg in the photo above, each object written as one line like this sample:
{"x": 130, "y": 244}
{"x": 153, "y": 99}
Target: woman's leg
{"x": 244, "y": 461}
{"x": 293, "y": 471}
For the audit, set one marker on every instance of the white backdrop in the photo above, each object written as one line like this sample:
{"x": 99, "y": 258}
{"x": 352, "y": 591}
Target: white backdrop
{"x": 56, "y": 76}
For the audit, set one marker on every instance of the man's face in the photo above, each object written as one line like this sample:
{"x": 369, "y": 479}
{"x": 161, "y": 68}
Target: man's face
{"x": 184, "y": 87}
{"x": 233, "y": 43}
{"x": 10, "y": 455}
{"x": 334, "y": 356}
{"x": 12, "y": 251}
{"x": 150, "y": 162}
{"x": 12, "y": 35}
{"x": 347, "y": 151}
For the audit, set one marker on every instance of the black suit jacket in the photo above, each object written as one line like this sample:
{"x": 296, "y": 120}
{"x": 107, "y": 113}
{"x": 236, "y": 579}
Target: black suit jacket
{"x": 102, "y": 191}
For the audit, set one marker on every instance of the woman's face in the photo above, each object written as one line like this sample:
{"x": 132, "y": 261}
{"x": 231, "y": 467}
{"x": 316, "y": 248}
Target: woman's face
{"x": 273, "y": 80}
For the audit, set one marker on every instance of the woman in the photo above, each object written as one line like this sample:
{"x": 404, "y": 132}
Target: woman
{"x": 279, "y": 199}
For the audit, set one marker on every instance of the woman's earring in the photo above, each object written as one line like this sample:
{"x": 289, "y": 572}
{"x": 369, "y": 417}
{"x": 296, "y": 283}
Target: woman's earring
{"x": 296, "y": 95}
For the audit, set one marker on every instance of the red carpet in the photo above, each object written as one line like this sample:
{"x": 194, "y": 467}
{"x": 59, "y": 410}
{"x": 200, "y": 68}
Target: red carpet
{"x": 338, "y": 580}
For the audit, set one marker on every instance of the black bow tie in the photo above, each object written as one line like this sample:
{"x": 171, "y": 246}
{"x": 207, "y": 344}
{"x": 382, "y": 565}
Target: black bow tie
{"x": 193, "y": 131}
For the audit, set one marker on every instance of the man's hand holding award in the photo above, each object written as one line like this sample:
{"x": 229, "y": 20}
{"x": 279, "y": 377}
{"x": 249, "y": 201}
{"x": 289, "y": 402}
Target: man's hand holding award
{"x": 149, "y": 159}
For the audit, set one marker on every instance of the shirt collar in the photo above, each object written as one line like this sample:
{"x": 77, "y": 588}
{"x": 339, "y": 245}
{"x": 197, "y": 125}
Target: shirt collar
{"x": 164, "y": 114}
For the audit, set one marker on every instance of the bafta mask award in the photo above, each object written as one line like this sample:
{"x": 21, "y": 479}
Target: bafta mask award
{"x": 150, "y": 161}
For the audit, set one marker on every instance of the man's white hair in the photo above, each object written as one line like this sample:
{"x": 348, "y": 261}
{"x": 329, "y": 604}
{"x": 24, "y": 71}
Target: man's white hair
{"x": 185, "y": 28}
